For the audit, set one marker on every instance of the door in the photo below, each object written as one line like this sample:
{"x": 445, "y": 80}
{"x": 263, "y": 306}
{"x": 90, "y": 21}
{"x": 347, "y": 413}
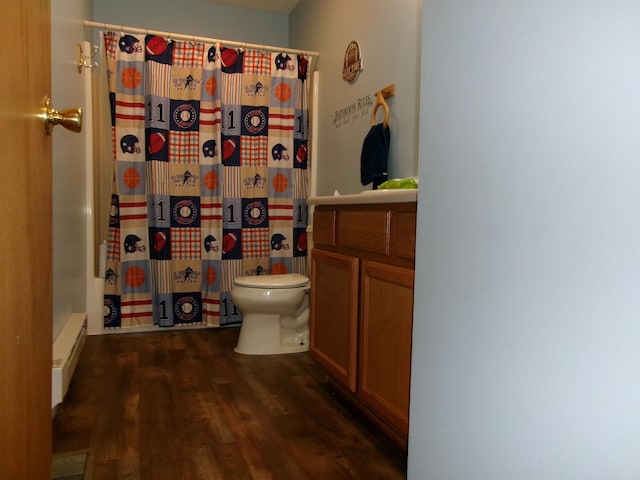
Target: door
{"x": 334, "y": 315}
{"x": 25, "y": 243}
{"x": 385, "y": 342}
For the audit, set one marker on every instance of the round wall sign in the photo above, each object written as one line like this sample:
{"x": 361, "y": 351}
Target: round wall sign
{"x": 353, "y": 62}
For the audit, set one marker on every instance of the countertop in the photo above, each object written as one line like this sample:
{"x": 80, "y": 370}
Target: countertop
{"x": 368, "y": 196}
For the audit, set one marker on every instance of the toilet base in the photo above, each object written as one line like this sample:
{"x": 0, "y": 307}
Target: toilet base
{"x": 262, "y": 335}
{"x": 282, "y": 350}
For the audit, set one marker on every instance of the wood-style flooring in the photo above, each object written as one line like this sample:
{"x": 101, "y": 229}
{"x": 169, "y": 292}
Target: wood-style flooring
{"x": 182, "y": 405}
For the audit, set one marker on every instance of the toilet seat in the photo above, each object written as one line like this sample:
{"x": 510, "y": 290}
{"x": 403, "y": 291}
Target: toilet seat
{"x": 282, "y": 280}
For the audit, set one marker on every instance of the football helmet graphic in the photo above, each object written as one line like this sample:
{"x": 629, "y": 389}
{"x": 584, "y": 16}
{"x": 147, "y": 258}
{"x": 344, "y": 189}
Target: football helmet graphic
{"x": 278, "y": 242}
{"x": 130, "y": 144}
{"x": 209, "y": 244}
{"x": 284, "y": 62}
{"x": 131, "y": 244}
{"x": 211, "y": 54}
{"x": 210, "y": 149}
{"x": 129, "y": 44}
{"x": 279, "y": 152}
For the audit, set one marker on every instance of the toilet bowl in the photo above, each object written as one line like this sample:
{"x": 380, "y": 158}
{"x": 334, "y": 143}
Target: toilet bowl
{"x": 275, "y": 313}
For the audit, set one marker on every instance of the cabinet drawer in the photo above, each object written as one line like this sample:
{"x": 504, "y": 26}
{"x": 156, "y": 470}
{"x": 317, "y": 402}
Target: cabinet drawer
{"x": 324, "y": 228}
{"x": 364, "y": 231}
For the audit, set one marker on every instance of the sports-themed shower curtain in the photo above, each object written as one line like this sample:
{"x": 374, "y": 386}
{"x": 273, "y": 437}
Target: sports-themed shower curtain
{"x": 210, "y": 147}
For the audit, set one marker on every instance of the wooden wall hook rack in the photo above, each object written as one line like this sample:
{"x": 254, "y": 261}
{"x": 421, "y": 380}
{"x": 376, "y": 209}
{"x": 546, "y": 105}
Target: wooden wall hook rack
{"x": 386, "y": 92}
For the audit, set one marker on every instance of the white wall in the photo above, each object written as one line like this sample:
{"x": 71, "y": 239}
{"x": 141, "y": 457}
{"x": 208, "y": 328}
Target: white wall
{"x": 389, "y": 34}
{"x": 196, "y": 17}
{"x": 69, "y": 163}
{"x": 526, "y": 333}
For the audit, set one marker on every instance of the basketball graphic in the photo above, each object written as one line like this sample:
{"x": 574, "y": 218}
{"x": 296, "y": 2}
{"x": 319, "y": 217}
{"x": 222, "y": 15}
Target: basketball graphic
{"x": 131, "y": 78}
{"x": 131, "y": 178}
{"x": 280, "y": 182}
{"x": 283, "y": 92}
{"x": 211, "y": 180}
{"x": 211, "y": 276}
{"x": 278, "y": 268}
{"x": 211, "y": 86}
{"x": 135, "y": 276}
{"x": 228, "y": 147}
{"x": 156, "y": 142}
{"x": 156, "y": 45}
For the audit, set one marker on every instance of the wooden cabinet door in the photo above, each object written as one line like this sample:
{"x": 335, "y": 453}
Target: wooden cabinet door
{"x": 334, "y": 315}
{"x": 385, "y": 342}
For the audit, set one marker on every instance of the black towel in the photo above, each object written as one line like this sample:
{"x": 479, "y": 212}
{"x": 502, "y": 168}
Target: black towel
{"x": 375, "y": 156}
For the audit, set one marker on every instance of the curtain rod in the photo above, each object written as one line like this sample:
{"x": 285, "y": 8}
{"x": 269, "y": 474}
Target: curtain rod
{"x": 108, "y": 26}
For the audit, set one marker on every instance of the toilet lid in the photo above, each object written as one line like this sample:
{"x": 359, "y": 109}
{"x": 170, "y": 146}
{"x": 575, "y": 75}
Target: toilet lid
{"x": 284, "y": 280}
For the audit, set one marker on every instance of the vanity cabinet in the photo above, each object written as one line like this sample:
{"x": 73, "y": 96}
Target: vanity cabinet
{"x": 362, "y": 277}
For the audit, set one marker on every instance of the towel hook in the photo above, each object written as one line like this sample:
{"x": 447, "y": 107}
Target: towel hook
{"x": 86, "y": 61}
{"x": 380, "y": 103}
{"x": 386, "y": 92}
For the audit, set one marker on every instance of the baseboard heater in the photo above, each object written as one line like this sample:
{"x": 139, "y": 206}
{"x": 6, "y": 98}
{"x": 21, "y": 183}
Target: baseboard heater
{"x": 66, "y": 351}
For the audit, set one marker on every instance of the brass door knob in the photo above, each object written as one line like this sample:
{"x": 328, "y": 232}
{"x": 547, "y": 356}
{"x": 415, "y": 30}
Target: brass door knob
{"x": 69, "y": 118}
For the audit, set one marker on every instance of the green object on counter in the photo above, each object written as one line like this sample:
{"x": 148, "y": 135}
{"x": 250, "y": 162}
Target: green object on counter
{"x": 398, "y": 183}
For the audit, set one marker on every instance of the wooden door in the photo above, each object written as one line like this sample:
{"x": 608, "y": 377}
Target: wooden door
{"x": 334, "y": 315}
{"x": 25, "y": 243}
{"x": 385, "y": 342}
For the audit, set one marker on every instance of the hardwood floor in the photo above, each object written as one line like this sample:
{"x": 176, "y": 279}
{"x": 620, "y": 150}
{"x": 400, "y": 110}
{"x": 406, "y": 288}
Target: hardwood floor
{"x": 182, "y": 405}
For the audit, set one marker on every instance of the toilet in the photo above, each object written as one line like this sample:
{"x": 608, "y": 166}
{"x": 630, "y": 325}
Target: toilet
{"x": 275, "y": 313}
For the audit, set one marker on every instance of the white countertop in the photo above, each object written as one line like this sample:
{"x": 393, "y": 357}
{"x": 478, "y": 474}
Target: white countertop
{"x": 400, "y": 195}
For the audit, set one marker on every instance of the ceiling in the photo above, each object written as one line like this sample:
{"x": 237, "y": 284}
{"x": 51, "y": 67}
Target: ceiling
{"x": 276, "y": 6}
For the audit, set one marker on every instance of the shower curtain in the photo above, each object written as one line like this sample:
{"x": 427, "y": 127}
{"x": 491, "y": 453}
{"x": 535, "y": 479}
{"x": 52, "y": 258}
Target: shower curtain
{"x": 210, "y": 148}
